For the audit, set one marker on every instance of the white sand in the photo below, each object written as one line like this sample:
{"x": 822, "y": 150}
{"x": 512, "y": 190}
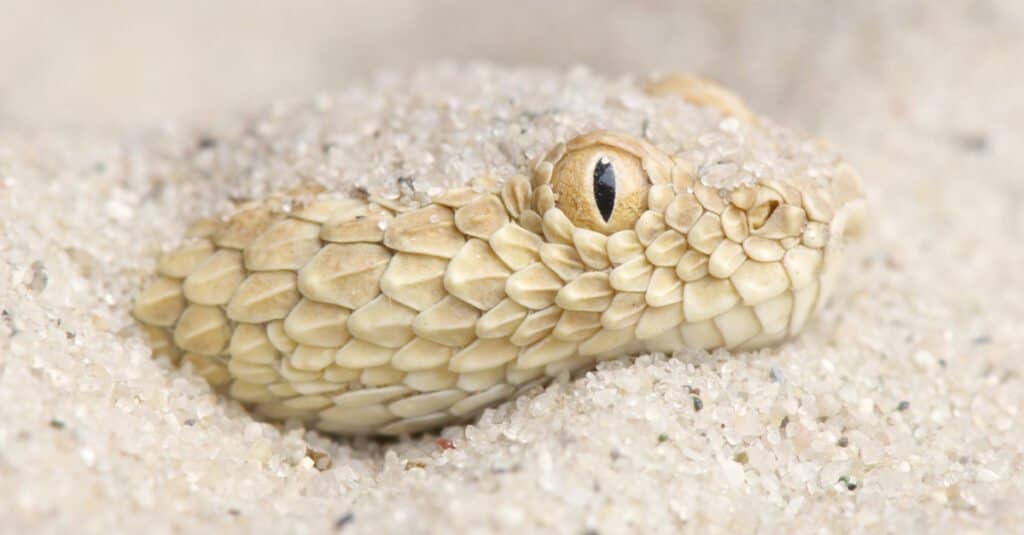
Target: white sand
{"x": 899, "y": 410}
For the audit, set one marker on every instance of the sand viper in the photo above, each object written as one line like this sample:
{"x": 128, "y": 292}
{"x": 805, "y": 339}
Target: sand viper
{"x": 385, "y": 315}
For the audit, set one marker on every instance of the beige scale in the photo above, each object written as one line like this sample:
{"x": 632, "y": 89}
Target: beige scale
{"x": 366, "y": 316}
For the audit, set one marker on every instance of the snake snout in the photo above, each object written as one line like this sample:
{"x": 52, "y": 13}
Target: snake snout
{"x": 851, "y": 222}
{"x": 851, "y": 219}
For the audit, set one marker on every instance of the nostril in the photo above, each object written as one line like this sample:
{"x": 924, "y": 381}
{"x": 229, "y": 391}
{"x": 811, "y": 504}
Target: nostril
{"x": 760, "y": 214}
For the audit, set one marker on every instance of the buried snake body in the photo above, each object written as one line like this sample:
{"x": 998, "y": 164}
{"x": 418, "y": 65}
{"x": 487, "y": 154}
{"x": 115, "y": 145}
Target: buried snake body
{"x": 381, "y": 316}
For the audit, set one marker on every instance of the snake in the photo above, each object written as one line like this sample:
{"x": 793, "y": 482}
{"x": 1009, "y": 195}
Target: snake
{"x": 375, "y": 315}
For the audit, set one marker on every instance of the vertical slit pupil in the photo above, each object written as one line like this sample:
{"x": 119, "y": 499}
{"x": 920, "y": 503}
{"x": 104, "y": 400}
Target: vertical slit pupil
{"x": 604, "y": 187}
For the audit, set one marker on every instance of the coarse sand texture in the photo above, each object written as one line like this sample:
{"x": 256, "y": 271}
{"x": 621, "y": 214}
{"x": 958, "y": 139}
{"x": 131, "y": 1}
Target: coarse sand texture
{"x": 897, "y": 408}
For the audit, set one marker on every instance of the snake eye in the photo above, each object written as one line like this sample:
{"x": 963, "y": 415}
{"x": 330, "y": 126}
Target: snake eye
{"x": 600, "y": 187}
{"x": 604, "y": 187}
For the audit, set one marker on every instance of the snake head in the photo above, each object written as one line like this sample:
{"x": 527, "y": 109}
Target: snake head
{"x": 665, "y": 260}
{"x": 388, "y": 314}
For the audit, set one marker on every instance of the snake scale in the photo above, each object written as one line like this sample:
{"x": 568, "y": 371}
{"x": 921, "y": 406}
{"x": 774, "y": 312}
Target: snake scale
{"x": 386, "y": 316}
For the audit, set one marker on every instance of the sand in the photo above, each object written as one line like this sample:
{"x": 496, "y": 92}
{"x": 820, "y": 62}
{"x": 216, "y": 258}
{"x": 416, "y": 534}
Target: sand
{"x": 898, "y": 410}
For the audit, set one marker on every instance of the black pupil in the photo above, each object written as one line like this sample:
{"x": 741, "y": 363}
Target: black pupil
{"x": 604, "y": 187}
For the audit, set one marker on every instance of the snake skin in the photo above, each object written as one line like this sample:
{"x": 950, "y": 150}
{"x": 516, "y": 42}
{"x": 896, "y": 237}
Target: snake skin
{"x": 387, "y": 316}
